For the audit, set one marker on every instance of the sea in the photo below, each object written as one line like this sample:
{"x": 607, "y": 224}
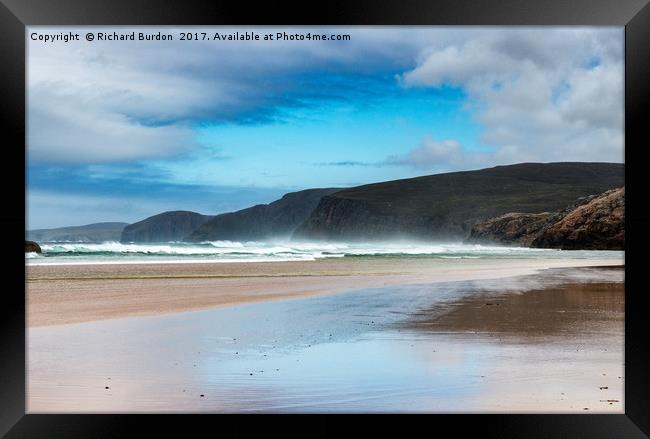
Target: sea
{"x": 72, "y": 253}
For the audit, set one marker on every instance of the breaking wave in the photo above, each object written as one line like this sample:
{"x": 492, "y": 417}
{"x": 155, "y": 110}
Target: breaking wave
{"x": 232, "y": 251}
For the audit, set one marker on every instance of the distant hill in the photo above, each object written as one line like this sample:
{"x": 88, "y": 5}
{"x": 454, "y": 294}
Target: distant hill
{"x": 164, "y": 227}
{"x": 97, "y": 232}
{"x": 446, "y": 206}
{"x": 275, "y": 220}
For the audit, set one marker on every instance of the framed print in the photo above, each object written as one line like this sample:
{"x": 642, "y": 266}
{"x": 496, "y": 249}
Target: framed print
{"x": 418, "y": 208}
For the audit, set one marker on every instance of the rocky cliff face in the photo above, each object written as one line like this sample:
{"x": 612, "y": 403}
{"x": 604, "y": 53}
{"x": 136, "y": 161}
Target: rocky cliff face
{"x": 593, "y": 222}
{"x": 164, "y": 227}
{"x": 596, "y": 224}
{"x": 275, "y": 220}
{"x": 519, "y": 229}
{"x": 339, "y": 218}
{"x": 446, "y": 206}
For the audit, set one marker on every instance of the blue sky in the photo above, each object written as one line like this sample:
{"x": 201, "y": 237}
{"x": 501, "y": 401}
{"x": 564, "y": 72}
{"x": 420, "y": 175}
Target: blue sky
{"x": 118, "y": 131}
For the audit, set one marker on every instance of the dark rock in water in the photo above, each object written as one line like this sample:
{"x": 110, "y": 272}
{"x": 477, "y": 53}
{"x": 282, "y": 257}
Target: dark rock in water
{"x": 164, "y": 227}
{"x": 446, "y": 206}
{"x": 595, "y": 222}
{"x": 32, "y": 247}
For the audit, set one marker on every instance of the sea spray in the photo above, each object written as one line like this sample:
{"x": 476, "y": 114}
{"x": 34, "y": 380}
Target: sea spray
{"x": 233, "y": 251}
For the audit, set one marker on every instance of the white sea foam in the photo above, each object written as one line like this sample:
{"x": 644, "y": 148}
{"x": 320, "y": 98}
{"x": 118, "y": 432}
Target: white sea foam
{"x": 68, "y": 253}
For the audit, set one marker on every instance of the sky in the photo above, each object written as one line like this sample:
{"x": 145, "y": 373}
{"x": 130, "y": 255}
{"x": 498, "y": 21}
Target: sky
{"x": 122, "y": 130}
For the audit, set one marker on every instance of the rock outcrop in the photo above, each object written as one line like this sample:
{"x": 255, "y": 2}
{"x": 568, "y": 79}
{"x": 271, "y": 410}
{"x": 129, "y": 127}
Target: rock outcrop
{"x": 32, "y": 247}
{"x": 597, "y": 224}
{"x": 446, "y": 206}
{"x": 519, "y": 229}
{"x": 594, "y": 222}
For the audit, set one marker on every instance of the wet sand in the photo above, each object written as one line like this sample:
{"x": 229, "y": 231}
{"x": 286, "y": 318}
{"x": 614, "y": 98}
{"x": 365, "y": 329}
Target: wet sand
{"x": 65, "y": 294}
{"x": 559, "y": 310}
{"x": 549, "y": 341}
{"x": 562, "y": 345}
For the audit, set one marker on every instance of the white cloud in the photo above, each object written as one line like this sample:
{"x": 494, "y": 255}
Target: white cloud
{"x": 530, "y": 88}
{"x": 66, "y": 128}
{"x": 431, "y": 154}
{"x": 540, "y": 94}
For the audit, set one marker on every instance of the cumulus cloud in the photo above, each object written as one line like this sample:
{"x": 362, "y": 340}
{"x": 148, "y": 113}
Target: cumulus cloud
{"x": 539, "y": 94}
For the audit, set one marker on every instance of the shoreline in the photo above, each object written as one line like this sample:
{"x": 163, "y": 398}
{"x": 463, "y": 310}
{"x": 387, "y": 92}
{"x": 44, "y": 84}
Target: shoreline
{"x": 59, "y": 295}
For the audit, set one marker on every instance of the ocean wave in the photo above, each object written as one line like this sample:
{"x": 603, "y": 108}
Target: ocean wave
{"x": 233, "y": 251}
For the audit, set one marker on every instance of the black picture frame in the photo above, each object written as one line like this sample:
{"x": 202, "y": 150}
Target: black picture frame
{"x": 15, "y": 15}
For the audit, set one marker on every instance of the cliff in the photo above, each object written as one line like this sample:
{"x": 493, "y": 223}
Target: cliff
{"x": 593, "y": 222}
{"x": 164, "y": 227}
{"x": 598, "y": 224}
{"x": 275, "y": 220}
{"x": 446, "y": 206}
{"x": 519, "y": 229}
{"x": 97, "y": 232}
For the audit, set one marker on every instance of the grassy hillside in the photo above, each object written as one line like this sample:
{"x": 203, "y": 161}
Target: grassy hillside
{"x": 275, "y": 220}
{"x": 447, "y": 205}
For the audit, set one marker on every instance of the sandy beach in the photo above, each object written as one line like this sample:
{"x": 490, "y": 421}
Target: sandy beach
{"x": 64, "y": 294}
{"x": 380, "y": 336}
